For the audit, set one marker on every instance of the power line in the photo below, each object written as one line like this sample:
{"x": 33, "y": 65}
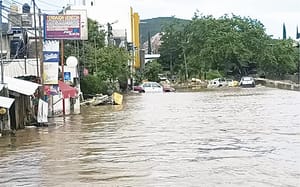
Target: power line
{"x": 9, "y": 20}
{"x": 13, "y": 1}
{"x": 49, "y": 10}
{"x": 49, "y": 4}
{"x": 16, "y": 2}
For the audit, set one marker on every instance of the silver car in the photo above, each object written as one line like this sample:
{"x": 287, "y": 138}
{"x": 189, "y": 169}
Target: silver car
{"x": 247, "y": 82}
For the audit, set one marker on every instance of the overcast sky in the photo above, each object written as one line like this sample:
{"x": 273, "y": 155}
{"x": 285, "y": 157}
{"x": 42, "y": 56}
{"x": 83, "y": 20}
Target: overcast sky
{"x": 272, "y": 13}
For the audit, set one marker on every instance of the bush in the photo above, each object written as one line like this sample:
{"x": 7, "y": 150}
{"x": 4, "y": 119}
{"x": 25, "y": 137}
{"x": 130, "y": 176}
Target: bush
{"x": 91, "y": 85}
{"x": 212, "y": 74}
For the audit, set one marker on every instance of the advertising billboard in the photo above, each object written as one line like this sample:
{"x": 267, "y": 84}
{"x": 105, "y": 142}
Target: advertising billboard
{"x": 83, "y": 21}
{"x": 51, "y": 60}
{"x": 62, "y": 27}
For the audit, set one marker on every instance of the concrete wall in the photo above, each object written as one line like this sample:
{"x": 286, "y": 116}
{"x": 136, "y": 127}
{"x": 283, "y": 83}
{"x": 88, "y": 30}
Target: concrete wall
{"x": 278, "y": 84}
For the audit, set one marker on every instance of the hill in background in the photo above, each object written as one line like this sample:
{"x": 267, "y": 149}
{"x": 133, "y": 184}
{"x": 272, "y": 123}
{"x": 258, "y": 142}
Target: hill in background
{"x": 156, "y": 25}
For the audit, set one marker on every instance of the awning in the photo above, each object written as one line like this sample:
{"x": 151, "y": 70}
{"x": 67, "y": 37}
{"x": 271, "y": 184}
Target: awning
{"x": 21, "y": 86}
{"x": 6, "y": 102}
{"x": 66, "y": 90}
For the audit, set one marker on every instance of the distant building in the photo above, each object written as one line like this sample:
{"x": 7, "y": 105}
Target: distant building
{"x": 20, "y": 32}
{"x": 119, "y": 37}
{"x": 117, "y": 13}
{"x": 155, "y": 43}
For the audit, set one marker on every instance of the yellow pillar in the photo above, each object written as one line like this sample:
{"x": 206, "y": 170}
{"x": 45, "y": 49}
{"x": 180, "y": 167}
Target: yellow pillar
{"x": 131, "y": 24}
{"x": 136, "y": 41}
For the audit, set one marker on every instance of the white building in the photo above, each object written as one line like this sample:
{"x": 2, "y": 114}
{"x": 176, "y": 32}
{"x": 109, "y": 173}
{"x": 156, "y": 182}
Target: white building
{"x": 117, "y": 13}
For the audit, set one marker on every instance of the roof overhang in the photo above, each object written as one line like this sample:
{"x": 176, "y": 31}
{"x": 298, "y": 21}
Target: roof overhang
{"x": 6, "y": 102}
{"x": 66, "y": 90}
{"x": 21, "y": 86}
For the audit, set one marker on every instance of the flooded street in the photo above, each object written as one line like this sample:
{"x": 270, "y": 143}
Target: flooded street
{"x": 235, "y": 137}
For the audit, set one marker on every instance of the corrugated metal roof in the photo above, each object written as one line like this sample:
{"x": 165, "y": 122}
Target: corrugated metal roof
{"x": 6, "y": 102}
{"x": 21, "y": 86}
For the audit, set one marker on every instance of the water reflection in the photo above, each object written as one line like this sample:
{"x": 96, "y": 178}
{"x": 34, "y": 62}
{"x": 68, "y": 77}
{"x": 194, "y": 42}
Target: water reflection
{"x": 237, "y": 137}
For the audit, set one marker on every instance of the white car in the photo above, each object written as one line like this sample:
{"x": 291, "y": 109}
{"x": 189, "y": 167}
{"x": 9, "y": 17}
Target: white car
{"x": 149, "y": 87}
{"x": 219, "y": 82}
{"x": 247, "y": 82}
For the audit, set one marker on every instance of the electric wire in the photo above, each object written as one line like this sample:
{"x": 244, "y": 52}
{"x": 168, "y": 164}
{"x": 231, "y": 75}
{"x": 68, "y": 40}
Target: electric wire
{"x": 10, "y": 20}
{"x": 22, "y": 49}
{"x": 49, "y": 4}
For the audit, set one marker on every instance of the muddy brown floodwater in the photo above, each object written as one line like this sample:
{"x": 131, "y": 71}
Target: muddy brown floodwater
{"x": 234, "y": 137}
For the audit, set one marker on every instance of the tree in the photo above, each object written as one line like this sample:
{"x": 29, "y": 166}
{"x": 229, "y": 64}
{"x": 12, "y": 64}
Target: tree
{"x": 152, "y": 71}
{"x": 107, "y": 64}
{"x": 171, "y": 49}
{"x": 280, "y": 58}
{"x": 231, "y": 45}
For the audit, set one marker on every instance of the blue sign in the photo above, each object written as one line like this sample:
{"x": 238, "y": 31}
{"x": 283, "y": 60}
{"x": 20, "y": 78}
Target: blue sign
{"x": 67, "y": 76}
{"x": 51, "y": 56}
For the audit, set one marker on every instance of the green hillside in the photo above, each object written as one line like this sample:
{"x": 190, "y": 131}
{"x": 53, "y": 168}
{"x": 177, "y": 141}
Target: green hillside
{"x": 155, "y": 25}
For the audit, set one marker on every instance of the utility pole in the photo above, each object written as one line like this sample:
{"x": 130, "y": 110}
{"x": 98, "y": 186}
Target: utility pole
{"x": 25, "y": 48}
{"x": 41, "y": 55}
{"x": 185, "y": 64}
{"x": 36, "y": 44}
{"x": 299, "y": 63}
{"x": 4, "y": 124}
{"x": 1, "y": 50}
{"x": 109, "y": 30}
{"x": 41, "y": 47}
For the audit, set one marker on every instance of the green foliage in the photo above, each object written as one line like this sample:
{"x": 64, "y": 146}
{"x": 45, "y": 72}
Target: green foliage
{"x": 111, "y": 63}
{"x": 85, "y": 50}
{"x": 281, "y": 59}
{"x": 152, "y": 70}
{"x": 171, "y": 50}
{"x": 212, "y": 74}
{"x": 156, "y": 25}
{"x": 229, "y": 44}
{"x": 92, "y": 85}
{"x": 107, "y": 64}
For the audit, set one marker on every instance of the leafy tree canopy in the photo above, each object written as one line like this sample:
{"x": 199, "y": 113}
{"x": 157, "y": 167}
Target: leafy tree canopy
{"x": 107, "y": 65}
{"x": 232, "y": 45}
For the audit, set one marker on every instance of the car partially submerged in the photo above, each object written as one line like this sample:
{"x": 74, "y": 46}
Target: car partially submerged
{"x": 247, "y": 82}
{"x": 149, "y": 87}
{"x": 168, "y": 88}
{"x": 166, "y": 85}
{"x": 232, "y": 83}
{"x": 218, "y": 82}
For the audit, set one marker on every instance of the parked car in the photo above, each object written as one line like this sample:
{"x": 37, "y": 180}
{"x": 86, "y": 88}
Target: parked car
{"x": 232, "y": 83}
{"x": 168, "y": 88}
{"x": 166, "y": 85}
{"x": 247, "y": 82}
{"x": 218, "y": 82}
{"x": 149, "y": 87}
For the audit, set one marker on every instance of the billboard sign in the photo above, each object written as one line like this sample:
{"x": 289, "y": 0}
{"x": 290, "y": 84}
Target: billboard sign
{"x": 83, "y": 21}
{"x": 51, "y": 59}
{"x": 62, "y": 27}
